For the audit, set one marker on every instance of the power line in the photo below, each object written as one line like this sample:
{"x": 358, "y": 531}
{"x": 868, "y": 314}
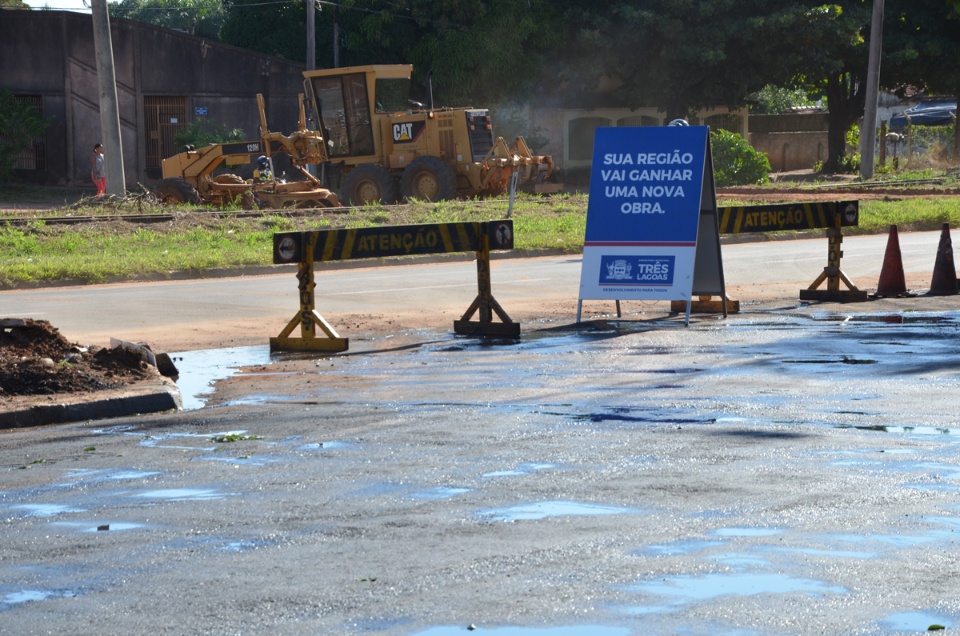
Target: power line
{"x": 117, "y": 8}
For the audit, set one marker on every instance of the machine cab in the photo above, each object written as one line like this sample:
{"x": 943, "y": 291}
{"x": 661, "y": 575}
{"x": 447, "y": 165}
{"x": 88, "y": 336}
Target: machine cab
{"x": 347, "y": 101}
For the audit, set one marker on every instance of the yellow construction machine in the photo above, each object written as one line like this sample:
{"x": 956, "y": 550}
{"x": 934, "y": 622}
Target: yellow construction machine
{"x": 201, "y": 176}
{"x": 382, "y": 147}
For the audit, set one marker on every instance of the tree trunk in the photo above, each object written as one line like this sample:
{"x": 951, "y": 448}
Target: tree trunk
{"x": 845, "y": 98}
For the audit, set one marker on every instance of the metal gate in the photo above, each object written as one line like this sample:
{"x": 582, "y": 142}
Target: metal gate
{"x": 33, "y": 156}
{"x": 164, "y": 118}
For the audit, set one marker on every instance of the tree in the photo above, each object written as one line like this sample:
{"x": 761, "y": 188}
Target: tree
{"x": 273, "y": 29}
{"x": 367, "y": 35}
{"x": 678, "y": 55}
{"x": 197, "y": 17}
{"x": 830, "y": 45}
{"x": 475, "y": 51}
{"x": 773, "y": 100}
{"x": 918, "y": 36}
{"x": 683, "y": 55}
{"x": 14, "y": 4}
{"x": 486, "y": 52}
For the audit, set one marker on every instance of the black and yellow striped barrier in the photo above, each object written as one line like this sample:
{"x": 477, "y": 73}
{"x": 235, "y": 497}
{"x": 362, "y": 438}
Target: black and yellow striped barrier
{"x": 832, "y": 215}
{"x": 306, "y": 248}
{"x": 788, "y": 216}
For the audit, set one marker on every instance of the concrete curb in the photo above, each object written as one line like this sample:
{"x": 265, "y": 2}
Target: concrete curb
{"x": 154, "y": 396}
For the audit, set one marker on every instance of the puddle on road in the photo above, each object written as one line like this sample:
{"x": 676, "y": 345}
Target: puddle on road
{"x": 45, "y": 510}
{"x": 685, "y": 546}
{"x": 523, "y": 469}
{"x": 544, "y": 509}
{"x": 29, "y": 596}
{"x": 200, "y": 369}
{"x": 577, "y": 630}
{"x": 244, "y": 460}
{"x": 911, "y": 430}
{"x": 331, "y": 445}
{"x": 97, "y": 476}
{"x": 685, "y": 589}
{"x": 157, "y": 440}
{"x": 895, "y": 540}
{"x": 842, "y": 554}
{"x": 828, "y": 360}
{"x": 182, "y": 494}
{"x": 746, "y": 532}
{"x": 440, "y": 492}
{"x": 245, "y": 545}
{"x": 99, "y": 526}
{"x": 904, "y": 318}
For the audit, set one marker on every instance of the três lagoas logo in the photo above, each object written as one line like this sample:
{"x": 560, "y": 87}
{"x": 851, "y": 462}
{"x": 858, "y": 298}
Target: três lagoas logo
{"x": 636, "y": 270}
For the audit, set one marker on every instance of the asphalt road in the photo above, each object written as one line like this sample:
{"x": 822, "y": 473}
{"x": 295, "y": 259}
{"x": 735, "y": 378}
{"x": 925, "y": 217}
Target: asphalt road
{"x": 221, "y": 312}
{"x": 790, "y": 470}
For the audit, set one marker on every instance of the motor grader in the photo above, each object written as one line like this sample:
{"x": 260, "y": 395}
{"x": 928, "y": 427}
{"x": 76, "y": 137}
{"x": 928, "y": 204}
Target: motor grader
{"x": 195, "y": 176}
{"x": 382, "y": 146}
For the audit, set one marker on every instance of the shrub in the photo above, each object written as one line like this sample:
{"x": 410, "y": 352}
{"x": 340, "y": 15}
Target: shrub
{"x": 203, "y": 132}
{"x": 735, "y": 162}
{"x": 20, "y": 123}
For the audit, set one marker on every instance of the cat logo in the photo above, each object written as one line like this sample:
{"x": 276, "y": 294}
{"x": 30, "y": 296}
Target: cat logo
{"x": 408, "y": 132}
{"x": 403, "y": 132}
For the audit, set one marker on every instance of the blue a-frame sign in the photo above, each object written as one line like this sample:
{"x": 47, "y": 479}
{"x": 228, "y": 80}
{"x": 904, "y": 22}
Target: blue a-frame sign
{"x": 652, "y": 202}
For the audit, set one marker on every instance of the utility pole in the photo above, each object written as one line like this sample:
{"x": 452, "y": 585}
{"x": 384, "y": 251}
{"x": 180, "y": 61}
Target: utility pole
{"x": 311, "y": 36}
{"x": 109, "y": 106}
{"x": 336, "y": 41}
{"x": 868, "y": 133}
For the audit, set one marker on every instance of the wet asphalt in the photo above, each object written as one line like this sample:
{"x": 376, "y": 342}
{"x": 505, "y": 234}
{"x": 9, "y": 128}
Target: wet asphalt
{"x": 784, "y": 471}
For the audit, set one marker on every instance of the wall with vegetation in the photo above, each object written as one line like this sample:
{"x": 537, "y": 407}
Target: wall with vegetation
{"x": 50, "y": 54}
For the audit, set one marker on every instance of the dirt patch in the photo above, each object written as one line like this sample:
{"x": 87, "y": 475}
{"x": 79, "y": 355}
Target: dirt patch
{"x": 36, "y": 359}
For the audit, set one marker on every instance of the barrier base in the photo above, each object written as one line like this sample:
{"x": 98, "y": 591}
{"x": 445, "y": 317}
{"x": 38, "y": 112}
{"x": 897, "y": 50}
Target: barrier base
{"x": 834, "y": 295}
{"x": 332, "y": 345}
{"x": 471, "y": 328}
{"x": 705, "y": 305}
{"x": 877, "y": 294}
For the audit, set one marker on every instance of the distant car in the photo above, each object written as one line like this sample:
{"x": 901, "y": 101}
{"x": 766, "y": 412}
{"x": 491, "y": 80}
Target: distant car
{"x": 926, "y": 114}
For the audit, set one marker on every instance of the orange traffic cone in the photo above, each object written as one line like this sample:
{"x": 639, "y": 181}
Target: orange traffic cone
{"x": 944, "y": 281}
{"x": 892, "y": 282}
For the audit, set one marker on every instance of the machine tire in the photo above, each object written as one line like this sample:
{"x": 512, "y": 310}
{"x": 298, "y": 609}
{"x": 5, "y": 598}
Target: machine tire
{"x": 176, "y": 190}
{"x": 368, "y": 184}
{"x": 429, "y": 179}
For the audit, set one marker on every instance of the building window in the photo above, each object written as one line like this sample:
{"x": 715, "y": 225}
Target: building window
{"x": 580, "y": 132}
{"x": 34, "y": 156}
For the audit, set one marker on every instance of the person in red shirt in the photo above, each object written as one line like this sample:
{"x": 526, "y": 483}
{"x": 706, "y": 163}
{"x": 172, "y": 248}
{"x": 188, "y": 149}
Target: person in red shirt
{"x": 98, "y": 172}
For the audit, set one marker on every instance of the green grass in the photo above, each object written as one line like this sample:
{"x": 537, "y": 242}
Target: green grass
{"x": 195, "y": 241}
{"x": 908, "y": 214}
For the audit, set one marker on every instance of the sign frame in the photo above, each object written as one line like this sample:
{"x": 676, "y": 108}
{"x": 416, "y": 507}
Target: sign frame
{"x": 652, "y": 227}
